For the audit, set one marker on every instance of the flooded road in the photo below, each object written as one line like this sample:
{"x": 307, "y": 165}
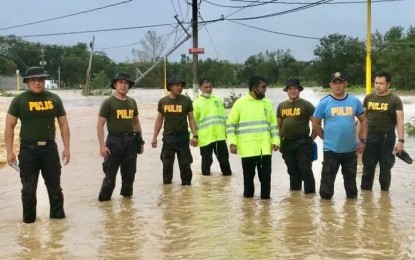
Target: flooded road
{"x": 210, "y": 219}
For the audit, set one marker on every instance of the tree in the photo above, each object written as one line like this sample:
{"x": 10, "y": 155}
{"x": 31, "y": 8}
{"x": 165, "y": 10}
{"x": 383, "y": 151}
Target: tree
{"x": 395, "y": 53}
{"x": 339, "y": 53}
{"x": 152, "y": 48}
{"x": 100, "y": 81}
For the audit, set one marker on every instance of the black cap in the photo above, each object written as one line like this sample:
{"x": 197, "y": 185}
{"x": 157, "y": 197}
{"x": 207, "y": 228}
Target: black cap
{"x": 338, "y": 75}
{"x": 293, "y": 82}
{"x": 35, "y": 72}
{"x": 175, "y": 80}
{"x": 122, "y": 75}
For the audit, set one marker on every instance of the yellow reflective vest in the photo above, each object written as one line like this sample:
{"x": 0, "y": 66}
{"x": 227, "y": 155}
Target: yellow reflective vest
{"x": 210, "y": 119}
{"x": 252, "y": 126}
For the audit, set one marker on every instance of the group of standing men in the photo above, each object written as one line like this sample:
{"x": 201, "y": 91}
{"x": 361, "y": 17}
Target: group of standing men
{"x": 253, "y": 130}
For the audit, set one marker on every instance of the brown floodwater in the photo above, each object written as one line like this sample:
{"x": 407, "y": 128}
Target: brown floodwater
{"x": 209, "y": 219}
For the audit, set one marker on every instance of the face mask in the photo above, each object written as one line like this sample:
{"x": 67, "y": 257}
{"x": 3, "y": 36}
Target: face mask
{"x": 206, "y": 95}
{"x": 258, "y": 94}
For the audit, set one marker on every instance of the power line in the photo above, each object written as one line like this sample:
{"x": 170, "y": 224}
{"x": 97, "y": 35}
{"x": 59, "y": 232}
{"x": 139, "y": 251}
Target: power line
{"x": 64, "y": 16}
{"x": 210, "y": 38}
{"x": 93, "y": 31}
{"x": 286, "y": 34}
{"x": 240, "y": 6}
{"x": 250, "y": 5}
{"x": 283, "y": 12}
{"x": 333, "y": 3}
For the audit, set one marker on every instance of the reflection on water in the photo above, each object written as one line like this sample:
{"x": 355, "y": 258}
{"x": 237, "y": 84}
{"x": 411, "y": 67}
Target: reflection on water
{"x": 121, "y": 232}
{"x": 210, "y": 219}
{"x": 42, "y": 241}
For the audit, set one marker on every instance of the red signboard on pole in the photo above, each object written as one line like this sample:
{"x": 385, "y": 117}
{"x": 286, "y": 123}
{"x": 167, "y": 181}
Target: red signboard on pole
{"x": 196, "y": 51}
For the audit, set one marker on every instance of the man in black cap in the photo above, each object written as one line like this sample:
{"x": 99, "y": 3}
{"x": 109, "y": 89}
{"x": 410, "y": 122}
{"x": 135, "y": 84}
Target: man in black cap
{"x": 120, "y": 113}
{"x": 37, "y": 109}
{"x": 176, "y": 111}
{"x": 293, "y": 118}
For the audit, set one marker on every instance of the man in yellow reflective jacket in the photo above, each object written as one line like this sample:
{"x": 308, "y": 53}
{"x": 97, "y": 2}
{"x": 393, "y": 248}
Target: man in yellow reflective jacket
{"x": 252, "y": 133}
{"x": 210, "y": 118}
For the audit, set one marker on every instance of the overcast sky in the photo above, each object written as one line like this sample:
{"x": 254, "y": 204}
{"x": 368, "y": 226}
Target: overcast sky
{"x": 223, "y": 40}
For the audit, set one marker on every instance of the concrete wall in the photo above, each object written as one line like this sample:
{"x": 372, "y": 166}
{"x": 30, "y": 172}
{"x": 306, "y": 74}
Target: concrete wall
{"x": 9, "y": 83}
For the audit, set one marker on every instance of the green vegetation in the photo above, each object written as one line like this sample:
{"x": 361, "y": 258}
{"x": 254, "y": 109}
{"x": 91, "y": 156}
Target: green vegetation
{"x": 5, "y": 93}
{"x": 410, "y": 128}
{"x": 229, "y": 101}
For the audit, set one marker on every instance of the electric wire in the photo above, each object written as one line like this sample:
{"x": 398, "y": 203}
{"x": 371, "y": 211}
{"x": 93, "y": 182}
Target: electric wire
{"x": 333, "y": 3}
{"x": 210, "y": 38}
{"x": 94, "y": 31}
{"x": 283, "y": 12}
{"x": 281, "y": 33}
{"x": 65, "y": 16}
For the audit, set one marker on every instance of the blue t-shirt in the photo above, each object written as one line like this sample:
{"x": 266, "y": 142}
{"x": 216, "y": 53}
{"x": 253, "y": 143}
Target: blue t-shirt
{"x": 339, "y": 122}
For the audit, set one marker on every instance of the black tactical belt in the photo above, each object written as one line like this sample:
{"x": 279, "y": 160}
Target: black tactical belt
{"x": 37, "y": 143}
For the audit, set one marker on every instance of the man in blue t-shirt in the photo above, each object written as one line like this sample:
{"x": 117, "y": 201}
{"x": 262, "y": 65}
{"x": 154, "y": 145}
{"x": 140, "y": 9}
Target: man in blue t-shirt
{"x": 340, "y": 146}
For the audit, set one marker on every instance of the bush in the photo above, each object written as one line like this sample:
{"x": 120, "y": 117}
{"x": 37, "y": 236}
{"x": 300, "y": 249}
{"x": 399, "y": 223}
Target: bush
{"x": 229, "y": 101}
{"x": 410, "y": 128}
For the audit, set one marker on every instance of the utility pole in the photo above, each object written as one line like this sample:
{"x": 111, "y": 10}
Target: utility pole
{"x": 368, "y": 48}
{"x": 88, "y": 71}
{"x": 42, "y": 62}
{"x": 59, "y": 77}
{"x": 188, "y": 36}
{"x": 195, "y": 45}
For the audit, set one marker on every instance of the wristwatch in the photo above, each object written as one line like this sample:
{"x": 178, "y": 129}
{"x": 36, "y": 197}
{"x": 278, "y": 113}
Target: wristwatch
{"x": 195, "y": 136}
{"x": 401, "y": 140}
{"x": 364, "y": 141}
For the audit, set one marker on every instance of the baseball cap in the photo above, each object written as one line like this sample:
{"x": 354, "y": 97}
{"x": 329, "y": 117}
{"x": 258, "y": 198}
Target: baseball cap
{"x": 338, "y": 75}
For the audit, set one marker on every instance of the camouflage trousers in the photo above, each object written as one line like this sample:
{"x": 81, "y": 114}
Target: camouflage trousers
{"x": 331, "y": 164}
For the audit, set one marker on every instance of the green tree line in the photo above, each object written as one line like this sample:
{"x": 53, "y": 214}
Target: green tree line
{"x": 393, "y": 52}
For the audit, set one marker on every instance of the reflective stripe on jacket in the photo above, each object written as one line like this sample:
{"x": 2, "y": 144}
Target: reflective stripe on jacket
{"x": 252, "y": 126}
{"x": 210, "y": 119}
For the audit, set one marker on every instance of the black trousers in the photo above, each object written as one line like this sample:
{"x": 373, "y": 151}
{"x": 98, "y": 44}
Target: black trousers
{"x": 33, "y": 160}
{"x": 172, "y": 145}
{"x": 263, "y": 164}
{"x": 298, "y": 156}
{"x": 123, "y": 156}
{"x": 222, "y": 154}
{"x": 378, "y": 149}
{"x": 331, "y": 165}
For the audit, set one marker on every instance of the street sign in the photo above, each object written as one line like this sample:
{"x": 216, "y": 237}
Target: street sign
{"x": 196, "y": 51}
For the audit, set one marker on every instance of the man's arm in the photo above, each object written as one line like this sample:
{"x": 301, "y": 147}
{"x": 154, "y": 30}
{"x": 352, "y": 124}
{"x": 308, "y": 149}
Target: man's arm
{"x": 157, "y": 127}
{"x": 192, "y": 124}
{"x": 137, "y": 129}
{"x": 11, "y": 122}
{"x": 137, "y": 125}
{"x": 363, "y": 126}
{"x": 231, "y": 123}
{"x": 318, "y": 130}
{"x": 400, "y": 129}
{"x": 103, "y": 150}
{"x": 279, "y": 123}
{"x": 313, "y": 134}
{"x": 65, "y": 134}
{"x": 362, "y": 133}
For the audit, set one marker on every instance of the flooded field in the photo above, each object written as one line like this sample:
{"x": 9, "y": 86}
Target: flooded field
{"x": 209, "y": 219}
